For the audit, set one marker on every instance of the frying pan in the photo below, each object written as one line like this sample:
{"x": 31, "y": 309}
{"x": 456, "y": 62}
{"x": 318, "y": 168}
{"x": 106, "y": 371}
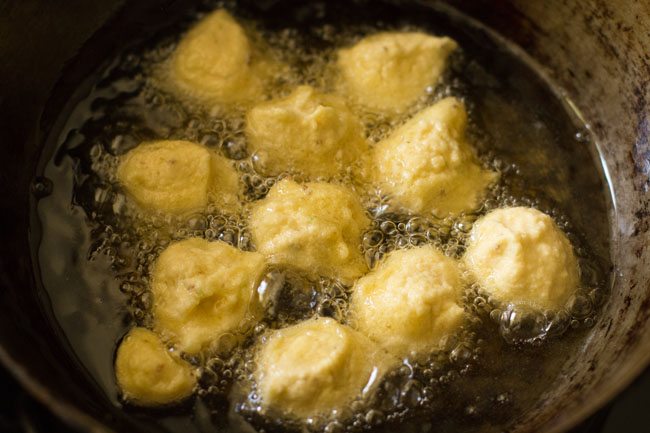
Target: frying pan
{"x": 597, "y": 51}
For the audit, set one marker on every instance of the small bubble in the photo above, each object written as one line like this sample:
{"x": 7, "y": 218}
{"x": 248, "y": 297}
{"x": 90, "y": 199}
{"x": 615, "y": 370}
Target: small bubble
{"x": 522, "y": 324}
{"x": 211, "y": 140}
{"x": 432, "y": 234}
{"x": 471, "y": 411}
{"x": 374, "y": 417}
{"x": 235, "y": 149}
{"x": 416, "y": 225}
{"x": 388, "y": 227}
{"x": 218, "y": 222}
{"x": 558, "y": 322}
{"x": 417, "y": 240}
{"x": 228, "y": 236}
{"x": 462, "y": 226}
{"x": 582, "y": 136}
{"x": 371, "y": 259}
{"x": 580, "y": 306}
{"x": 121, "y": 144}
{"x": 334, "y": 427}
{"x": 460, "y": 354}
{"x": 42, "y": 187}
{"x": 402, "y": 242}
{"x": 412, "y": 393}
{"x": 597, "y": 297}
{"x": 196, "y": 223}
{"x": 503, "y": 398}
{"x": 372, "y": 239}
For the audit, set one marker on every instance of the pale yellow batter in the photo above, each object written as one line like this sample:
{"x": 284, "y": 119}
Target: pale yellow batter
{"x": 389, "y": 71}
{"x": 313, "y": 227}
{"x": 520, "y": 255}
{"x": 177, "y": 177}
{"x": 426, "y": 165}
{"x": 308, "y": 132}
{"x": 410, "y": 303}
{"x": 204, "y": 290}
{"x": 317, "y": 367}
{"x": 216, "y": 63}
{"x": 148, "y": 374}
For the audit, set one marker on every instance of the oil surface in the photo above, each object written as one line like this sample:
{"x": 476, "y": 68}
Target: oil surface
{"x": 97, "y": 249}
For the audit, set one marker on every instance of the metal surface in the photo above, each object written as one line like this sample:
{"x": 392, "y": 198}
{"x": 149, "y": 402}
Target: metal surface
{"x": 596, "y": 50}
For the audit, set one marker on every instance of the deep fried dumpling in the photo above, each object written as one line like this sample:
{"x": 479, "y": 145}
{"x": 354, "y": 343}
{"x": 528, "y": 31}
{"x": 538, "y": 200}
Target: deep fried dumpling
{"x": 520, "y": 255}
{"x": 389, "y": 71}
{"x": 308, "y": 132}
{"x": 409, "y": 303}
{"x": 203, "y": 290}
{"x": 317, "y": 367}
{"x": 148, "y": 374}
{"x": 427, "y": 166}
{"x": 314, "y": 227}
{"x": 216, "y": 63}
{"x": 177, "y": 177}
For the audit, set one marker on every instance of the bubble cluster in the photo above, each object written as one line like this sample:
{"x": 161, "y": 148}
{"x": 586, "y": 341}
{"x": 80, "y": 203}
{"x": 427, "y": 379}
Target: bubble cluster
{"x": 522, "y": 324}
{"x": 392, "y": 231}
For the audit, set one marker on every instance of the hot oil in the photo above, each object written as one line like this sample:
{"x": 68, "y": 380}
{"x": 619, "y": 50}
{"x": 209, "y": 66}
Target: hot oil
{"x": 98, "y": 248}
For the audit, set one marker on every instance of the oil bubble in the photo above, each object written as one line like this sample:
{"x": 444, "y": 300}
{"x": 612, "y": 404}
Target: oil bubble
{"x": 523, "y": 324}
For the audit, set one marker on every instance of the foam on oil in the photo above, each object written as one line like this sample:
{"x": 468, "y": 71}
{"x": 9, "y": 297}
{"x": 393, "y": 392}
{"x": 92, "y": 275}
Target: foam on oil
{"x": 487, "y": 376}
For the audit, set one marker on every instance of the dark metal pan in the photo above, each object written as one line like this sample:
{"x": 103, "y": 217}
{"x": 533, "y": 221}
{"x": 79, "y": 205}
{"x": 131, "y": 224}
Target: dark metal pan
{"x": 598, "y": 51}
